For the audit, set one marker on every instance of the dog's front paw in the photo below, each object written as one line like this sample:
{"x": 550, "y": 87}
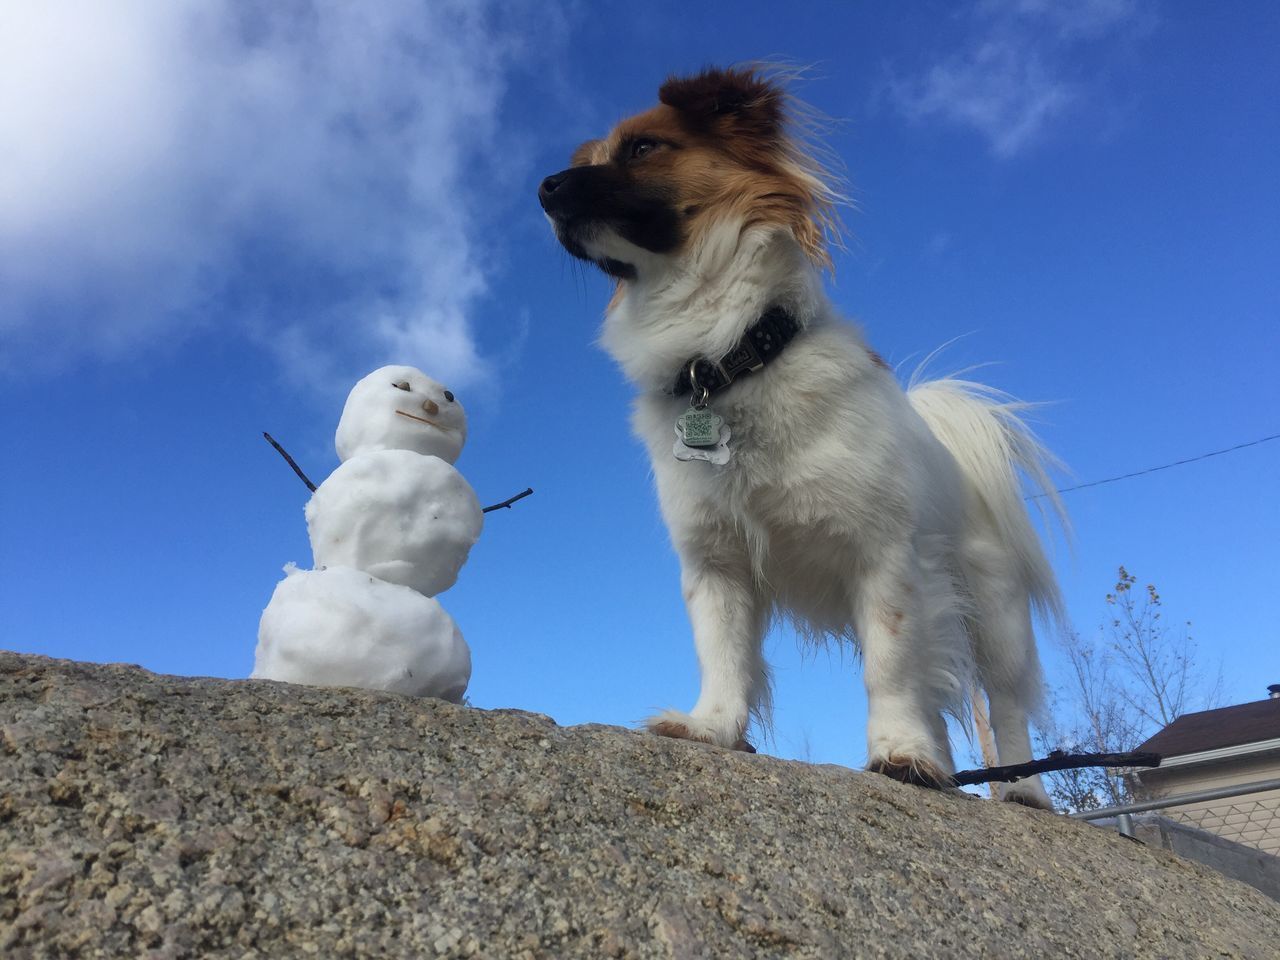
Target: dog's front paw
{"x": 918, "y": 770}
{"x": 685, "y": 726}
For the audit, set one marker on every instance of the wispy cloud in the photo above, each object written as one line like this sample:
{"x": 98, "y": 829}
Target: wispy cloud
{"x": 314, "y": 174}
{"x": 1070, "y": 19}
{"x": 999, "y": 89}
{"x": 1011, "y": 80}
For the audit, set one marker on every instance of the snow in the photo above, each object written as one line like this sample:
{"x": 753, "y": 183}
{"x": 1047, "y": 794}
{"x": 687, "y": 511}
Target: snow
{"x": 403, "y": 517}
{"x": 344, "y": 628}
{"x": 390, "y": 529}
{"x": 401, "y": 408}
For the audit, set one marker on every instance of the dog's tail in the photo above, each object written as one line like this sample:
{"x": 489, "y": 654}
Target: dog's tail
{"x": 984, "y": 431}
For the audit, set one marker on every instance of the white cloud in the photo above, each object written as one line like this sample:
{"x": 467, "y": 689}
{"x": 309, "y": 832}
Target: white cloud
{"x": 314, "y": 172}
{"x": 1011, "y": 80}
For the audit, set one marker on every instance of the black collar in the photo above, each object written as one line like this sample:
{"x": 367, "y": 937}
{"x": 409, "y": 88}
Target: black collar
{"x": 762, "y": 343}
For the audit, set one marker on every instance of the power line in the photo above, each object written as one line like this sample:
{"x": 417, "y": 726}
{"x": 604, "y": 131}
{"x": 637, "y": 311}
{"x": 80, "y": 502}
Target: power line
{"x": 1164, "y": 466}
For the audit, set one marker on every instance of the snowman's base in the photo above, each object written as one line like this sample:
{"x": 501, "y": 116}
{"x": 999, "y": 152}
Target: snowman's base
{"x": 340, "y": 627}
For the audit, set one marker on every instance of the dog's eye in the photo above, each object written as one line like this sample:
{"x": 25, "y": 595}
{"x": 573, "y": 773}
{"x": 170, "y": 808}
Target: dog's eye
{"x": 642, "y": 147}
{"x": 401, "y": 384}
{"x": 448, "y": 395}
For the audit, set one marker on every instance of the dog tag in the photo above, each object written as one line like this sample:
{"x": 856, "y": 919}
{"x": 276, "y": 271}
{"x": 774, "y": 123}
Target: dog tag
{"x": 718, "y": 453}
{"x": 699, "y": 428}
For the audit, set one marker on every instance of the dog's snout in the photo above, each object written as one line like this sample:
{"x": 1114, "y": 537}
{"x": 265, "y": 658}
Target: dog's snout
{"x": 550, "y": 185}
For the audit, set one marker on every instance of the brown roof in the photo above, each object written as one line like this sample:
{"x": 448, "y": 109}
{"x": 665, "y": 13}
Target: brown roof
{"x": 1214, "y": 729}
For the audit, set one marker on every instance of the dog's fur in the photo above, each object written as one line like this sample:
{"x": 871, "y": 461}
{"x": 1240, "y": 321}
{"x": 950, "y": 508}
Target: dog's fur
{"x": 892, "y": 519}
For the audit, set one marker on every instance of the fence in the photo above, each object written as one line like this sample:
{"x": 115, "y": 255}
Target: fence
{"x": 1222, "y": 811}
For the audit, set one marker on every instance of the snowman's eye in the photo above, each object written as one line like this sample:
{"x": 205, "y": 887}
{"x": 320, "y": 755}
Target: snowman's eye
{"x": 448, "y": 395}
{"x": 401, "y": 385}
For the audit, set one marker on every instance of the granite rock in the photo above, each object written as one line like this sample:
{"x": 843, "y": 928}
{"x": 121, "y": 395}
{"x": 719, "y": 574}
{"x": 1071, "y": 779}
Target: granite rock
{"x": 153, "y": 816}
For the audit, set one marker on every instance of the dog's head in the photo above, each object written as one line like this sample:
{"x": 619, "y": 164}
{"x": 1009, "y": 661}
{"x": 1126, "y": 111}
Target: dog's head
{"x": 720, "y": 149}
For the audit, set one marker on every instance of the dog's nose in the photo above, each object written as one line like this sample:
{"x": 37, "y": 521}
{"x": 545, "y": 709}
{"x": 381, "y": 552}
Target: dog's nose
{"x": 550, "y": 185}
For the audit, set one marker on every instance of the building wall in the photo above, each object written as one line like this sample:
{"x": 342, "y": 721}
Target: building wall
{"x": 1252, "y": 819}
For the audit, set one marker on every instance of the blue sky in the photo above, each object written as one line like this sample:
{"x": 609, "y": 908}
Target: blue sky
{"x": 214, "y": 221}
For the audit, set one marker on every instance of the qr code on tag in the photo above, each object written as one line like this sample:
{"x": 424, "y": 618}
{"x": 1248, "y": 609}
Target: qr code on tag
{"x": 700, "y": 428}
{"x": 698, "y": 422}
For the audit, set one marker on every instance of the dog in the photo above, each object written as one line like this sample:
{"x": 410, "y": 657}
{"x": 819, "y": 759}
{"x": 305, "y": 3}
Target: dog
{"x": 796, "y": 476}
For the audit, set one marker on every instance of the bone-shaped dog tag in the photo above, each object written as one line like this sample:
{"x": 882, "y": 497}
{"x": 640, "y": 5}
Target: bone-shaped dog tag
{"x": 717, "y": 451}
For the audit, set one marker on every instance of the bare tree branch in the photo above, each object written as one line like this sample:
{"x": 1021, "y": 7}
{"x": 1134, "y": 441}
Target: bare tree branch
{"x": 1133, "y": 680}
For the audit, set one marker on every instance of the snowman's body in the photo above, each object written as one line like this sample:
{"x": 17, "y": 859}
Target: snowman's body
{"x": 398, "y": 515}
{"x": 390, "y": 529}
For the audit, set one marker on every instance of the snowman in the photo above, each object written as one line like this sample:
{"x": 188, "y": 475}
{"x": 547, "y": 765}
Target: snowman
{"x": 390, "y": 529}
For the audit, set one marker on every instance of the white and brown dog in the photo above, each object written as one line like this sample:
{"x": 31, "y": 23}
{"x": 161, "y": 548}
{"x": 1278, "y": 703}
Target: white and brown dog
{"x": 795, "y": 474}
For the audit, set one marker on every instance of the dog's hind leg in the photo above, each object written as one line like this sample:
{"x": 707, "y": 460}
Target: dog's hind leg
{"x": 1008, "y": 666}
{"x": 1013, "y": 745}
{"x": 729, "y": 614}
{"x": 892, "y": 618}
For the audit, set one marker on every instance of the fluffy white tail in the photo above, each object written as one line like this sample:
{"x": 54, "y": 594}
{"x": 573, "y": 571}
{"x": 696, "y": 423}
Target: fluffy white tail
{"x": 984, "y": 431}
{"x": 1002, "y": 561}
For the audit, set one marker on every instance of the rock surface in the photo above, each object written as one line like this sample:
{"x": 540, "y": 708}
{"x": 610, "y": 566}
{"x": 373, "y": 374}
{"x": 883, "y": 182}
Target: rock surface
{"x": 150, "y": 816}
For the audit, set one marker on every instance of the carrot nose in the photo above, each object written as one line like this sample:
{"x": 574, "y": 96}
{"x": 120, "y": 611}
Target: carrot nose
{"x": 430, "y": 406}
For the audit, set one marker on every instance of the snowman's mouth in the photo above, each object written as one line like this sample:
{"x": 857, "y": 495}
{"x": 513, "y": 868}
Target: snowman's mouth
{"x": 429, "y": 423}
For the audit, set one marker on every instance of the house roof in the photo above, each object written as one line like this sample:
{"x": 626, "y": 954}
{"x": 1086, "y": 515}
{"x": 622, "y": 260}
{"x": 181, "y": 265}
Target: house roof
{"x": 1215, "y": 729}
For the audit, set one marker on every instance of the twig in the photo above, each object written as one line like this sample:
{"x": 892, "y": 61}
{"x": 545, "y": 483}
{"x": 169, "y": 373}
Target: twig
{"x": 1055, "y": 761}
{"x": 507, "y": 503}
{"x": 289, "y": 460}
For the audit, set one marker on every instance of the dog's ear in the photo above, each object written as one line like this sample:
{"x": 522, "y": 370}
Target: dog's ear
{"x": 751, "y": 101}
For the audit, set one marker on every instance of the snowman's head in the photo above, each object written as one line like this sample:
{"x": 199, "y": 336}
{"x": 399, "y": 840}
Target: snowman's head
{"x": 401, "y": 408}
